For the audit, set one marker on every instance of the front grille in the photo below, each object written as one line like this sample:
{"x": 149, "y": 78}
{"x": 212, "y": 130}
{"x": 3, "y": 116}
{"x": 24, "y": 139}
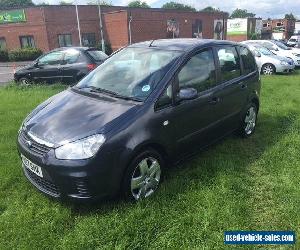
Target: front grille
{"x": 42, "y": 184}
{"x": 35, "y": 148}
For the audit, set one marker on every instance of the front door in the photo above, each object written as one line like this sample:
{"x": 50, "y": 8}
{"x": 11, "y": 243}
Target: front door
{"x": 48, "y": 68}
{"x": 195, "y": 119}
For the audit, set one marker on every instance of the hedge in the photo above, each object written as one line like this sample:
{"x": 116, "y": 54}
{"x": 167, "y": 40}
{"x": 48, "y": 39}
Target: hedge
{"x": 26, "y": 54}
{"x": 3, "y": 55}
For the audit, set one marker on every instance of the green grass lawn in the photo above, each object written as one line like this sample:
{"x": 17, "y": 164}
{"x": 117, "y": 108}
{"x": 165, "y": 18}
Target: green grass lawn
{"x": 237, "y": 184}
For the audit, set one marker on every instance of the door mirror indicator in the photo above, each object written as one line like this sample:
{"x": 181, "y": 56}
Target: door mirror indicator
{"x": 187, "y": 94}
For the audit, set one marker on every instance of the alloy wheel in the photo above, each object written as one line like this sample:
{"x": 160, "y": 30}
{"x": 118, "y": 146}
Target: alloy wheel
{"x": 250, "y": 120}
{"x": 145, "y": 178}
{"x": 24, "y": 81}
{"x": 268, "y": 70}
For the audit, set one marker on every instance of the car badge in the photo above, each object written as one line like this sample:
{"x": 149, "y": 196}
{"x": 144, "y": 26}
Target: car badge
{"x": 29, "y": 144}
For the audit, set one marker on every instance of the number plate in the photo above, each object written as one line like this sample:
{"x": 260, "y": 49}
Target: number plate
{"x": 32, "y": 167}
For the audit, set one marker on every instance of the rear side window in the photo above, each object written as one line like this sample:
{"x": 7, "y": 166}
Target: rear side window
{"x": 248, "y": 60}
{"x": 229, "y": 63}
{"x": 199, "y": 72}
{"x": 71, "y": 56}
{"x": 97, "y": 55}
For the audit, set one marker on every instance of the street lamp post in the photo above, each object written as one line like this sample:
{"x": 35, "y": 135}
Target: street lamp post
{"x": 78, "y": 24}
{"x": 101, "y": 26}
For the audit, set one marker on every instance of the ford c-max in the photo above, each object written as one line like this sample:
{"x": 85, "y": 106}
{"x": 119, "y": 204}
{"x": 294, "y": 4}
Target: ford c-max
{"x": 147, "y": 106}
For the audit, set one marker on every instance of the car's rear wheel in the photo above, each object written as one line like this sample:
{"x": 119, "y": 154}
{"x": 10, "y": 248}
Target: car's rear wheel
{"x": 143, "y": 175}
{"x": 249, "y": 119}
{"x": 24, "y": 81}
{"x": 268, "y": 69}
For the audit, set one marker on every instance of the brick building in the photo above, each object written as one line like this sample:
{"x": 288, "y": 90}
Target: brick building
{"x": 278, "y": 28}
{"x": 49, "y": 27}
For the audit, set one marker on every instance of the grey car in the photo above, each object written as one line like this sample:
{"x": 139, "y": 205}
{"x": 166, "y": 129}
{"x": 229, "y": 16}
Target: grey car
{"x": 270, "y": 63}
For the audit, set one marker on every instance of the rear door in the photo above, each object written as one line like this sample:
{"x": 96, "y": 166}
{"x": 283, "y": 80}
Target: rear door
{"x": 48, "y": 68}
{"x": 232, "y": 88}
{"x": 74, "y": 66}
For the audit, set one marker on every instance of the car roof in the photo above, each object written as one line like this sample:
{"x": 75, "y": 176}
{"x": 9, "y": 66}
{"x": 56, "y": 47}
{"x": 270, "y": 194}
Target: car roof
{"x": 183, "y": 44}
{"x": 76, "y": 48}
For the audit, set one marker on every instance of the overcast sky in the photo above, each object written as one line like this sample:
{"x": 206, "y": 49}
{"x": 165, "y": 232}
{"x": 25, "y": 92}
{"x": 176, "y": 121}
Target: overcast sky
{"x": 262, "y": 8}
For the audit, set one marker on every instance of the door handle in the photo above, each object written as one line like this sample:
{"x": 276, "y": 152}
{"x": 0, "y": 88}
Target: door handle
{"x": 243, "y": 85}
{"x": 214, "y": 100}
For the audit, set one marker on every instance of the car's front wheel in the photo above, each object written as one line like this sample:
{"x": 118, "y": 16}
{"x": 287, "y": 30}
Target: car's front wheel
{"x": 143, "y": 175}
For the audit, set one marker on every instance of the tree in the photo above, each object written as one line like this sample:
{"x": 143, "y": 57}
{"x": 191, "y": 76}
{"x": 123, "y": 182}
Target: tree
{"x": 211, "y": 9}
{"x": 43, "y": 3}
{"x": 102, "y": 3}
{"x": 290, "y": 16}
{"x": 241, "y": 13}
{"x": 138, "y": 4}
{"x": 65, "y": 3}
{"x": 7, "y": 4}
{"x": 178, "y": 6}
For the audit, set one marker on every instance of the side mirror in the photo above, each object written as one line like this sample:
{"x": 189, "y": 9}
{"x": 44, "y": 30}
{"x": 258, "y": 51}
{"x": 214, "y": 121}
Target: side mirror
{"x": 257, "y": 54}
{"x": 187, "y": 94}
{"x": 36, "y": 64}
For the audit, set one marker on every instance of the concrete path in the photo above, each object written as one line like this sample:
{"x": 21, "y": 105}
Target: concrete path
{"x": 7, "y": 71}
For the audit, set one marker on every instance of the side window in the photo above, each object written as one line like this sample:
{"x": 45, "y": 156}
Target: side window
{"x": 165, "y": 99}
{"x": 71, "y": 56}
{"x": 248, "y": 60}
{"x": 199, "y": 73}
{"x": 229, "y": 63}
{"x": 52, "y": 58}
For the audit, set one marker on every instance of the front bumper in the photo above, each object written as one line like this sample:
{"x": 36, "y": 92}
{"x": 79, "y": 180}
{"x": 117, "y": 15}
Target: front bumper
{"x": 70, "y": 179}
{"x": 285, "y": 68}
{"x": 297, "y": 62}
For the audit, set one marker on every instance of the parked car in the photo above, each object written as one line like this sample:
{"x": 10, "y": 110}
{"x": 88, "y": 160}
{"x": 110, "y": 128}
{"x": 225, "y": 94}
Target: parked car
{"x": 67, "y": 65}
{"x": 268, "y": 62}
{"x": 279, "y": 49}
{"x": 293, "y": 41}
{"x": 150, "y": 104}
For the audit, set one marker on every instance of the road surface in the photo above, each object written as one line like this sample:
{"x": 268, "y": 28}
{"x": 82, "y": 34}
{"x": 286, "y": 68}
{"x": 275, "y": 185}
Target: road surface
{"x": 7, "y": 71}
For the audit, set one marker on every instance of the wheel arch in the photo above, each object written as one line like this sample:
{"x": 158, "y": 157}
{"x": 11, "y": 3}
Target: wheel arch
{"x": 255, "y": 100}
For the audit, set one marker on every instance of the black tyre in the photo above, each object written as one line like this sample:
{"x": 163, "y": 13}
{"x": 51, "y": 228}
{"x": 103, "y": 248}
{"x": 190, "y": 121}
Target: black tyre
{"x": 268, "y": 69}
{"x": 24, "y": 81}
{"x": 249, "y": 119}
{"x": 143, "y": 175}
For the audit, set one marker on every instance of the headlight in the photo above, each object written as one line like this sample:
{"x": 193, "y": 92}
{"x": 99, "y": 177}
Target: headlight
{"x": 284, "y": 63}
{"x": 81, "y": 149}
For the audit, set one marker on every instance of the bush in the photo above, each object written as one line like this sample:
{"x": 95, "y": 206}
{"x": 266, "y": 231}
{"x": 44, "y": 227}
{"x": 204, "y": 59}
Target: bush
{"x": 3, "y": 56}
{"x": 26, "y": 54}
{"x": 108, "y": 48}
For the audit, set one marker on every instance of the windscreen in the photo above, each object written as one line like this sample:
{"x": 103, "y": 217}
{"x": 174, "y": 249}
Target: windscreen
{"x": 132, "y": 72}
{"x": 265, "y": 51}
{"x": 281, "y": 45}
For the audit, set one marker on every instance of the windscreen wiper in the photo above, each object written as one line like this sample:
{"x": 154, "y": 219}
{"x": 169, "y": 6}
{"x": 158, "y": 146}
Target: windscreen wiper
{"x": 114, "y": 94}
